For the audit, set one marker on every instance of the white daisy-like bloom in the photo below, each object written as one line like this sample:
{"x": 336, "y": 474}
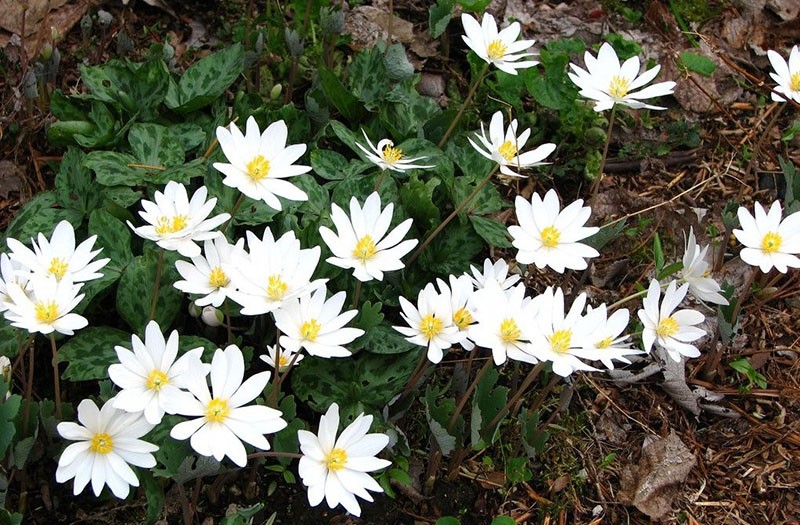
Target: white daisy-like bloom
{"x": 696, "y": 270}
{"x": 786, "y": 74}
{"x": 206, "y": 275}
{"x": 504, "y": 322}
{"x": 282, "y": 356}
{"x": 387, "y": 157}
{"x": 671, "y": 331}
{"x": 503, "y": 146}
{"x": 59, "y": 257}
{"x": 430, "y": 323}
{"x": 12, "y": 274}
{"x": 548, "y": 235}
{"x": 151, "y": 373}
{"x": 496, "y": 272}
{"x": 459, "y": 295}
{"x": 46, "y": 307}
{"x": 223, "y": 419}
{"x": 176, "y": 223}
{"x": 499, "y": 48}
{"x": 317, "y": 325}
{"x": 108, "y": 442}
{"x": 273, "y": 272}
{"x": 335, "y": 469}
{"x": 606, "y": 342}
{"x": 361, "y": 241}
{"x": 259, "y": 162}
{"x": 607, "y": 82}
{"x": 559, "y": 336}
{"x": 770, "y": 242}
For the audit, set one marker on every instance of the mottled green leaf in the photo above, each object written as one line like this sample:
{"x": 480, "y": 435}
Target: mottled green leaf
{"x": 439, "y": 416}
{"x": 487, "y": 402}
{"x": 367, "y": 76}
{"x": 111, "y": 168}
{"x": 11, "y": 339}
{"x": 343, "y": 100}
{"x": 91, "y": 351}
{"x": 384, "y": 339}
{"x": 38, "y": 216}
{"x": 417, "y": 199}
{"x": 104, "y": 130}
{"x": 439, "y": 15}
{"x": 453, "y": 250}
{"x": 136, "y": 290}
{"x": 493, "y": 232}
{"x": 113, "y": 236}
{"x": 329, "y": 165}
{"x": 74, "y": 188}
{"x": 154, "y": 145}
{"x": 188, "y": 135}
{"x": 122, "y": 196}
{"x": 8, "y": 409}
{"x": 206, "y": 80}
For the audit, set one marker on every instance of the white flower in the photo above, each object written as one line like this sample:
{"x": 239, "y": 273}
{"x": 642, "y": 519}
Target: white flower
{"x": 387, "y": 157}
{"x": 769, "y": 241}
{"x": 336, "y": 469}
{"x": 504, "y": 323}
{"x": 222, "y": 421}
{"x": 274, "y": 272}
{"x": 607, "y": 82}
{"x": 260, "y": 161}
{"x": 59, "y": 257}
{"x": 498, "y": 48}
{"x": 695, "y": 272}
{"x": 548, "y": 236}
{"x": 317, "y": 325}
{"x": 787, "y": 75}
{"x": 496, "y": 273}
{"x": 107, "y": 443}
{"x": 503, "y": 146}
{"x": 430, "y": 323}
{"x": 12, "y": 275}
{"x": 606, "y": 342}
{"x": 48, "y": 308}
{"x": 150, "y": 374}
{"x": 459, "y": 295}
{"x": 671, "y": 331}
{"x": 175, "y": 222}
{"x": 206, "y": 275}
{"x": 361, "y": 242}
{"x": 284, "y": 359}
{"x": 558, "y": 337}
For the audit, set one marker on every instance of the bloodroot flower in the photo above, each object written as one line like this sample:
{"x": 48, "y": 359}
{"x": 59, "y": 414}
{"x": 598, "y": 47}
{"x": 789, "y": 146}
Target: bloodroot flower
{"x": 499, "y": 48}
{"x": 769, "y": 240}
{"x": 387, "y": 157}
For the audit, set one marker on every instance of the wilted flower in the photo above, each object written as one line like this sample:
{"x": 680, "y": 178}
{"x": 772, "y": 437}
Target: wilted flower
{"x": 695, "y": 272}
{"x": 336, "y": 469}
{"x": 787, "y": 75}
{"x": 769, "y": 240}
{"x": 607, "y": 82}
{"x": 499, "y": 48}
{"x": 503, "y": 146}
{"x": 387, "y": 157}
{"x": 259, "y": 162}
{"x": 671, "y": 331}
{"x": 548, "y": 236}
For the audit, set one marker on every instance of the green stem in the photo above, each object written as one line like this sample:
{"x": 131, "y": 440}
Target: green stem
{"x": 529, "y": 379}
{"x": 274, "y": 454}
{"x": 156, "y": 285}
{"x": 452, "y": 216}
{"x": 28, "y": 392}
{"x": 56, "y": 377}
{"x": 596, "y": 183}
{"x": 379, "y": 181}
{"x": 357, "y": 294}
{"x": 236, "y": 206}
{"x": 463, "y": 401}
{"x": 418, "y": 371}
{"x": 228, "y": 321}
{"x": 472, "y": 89}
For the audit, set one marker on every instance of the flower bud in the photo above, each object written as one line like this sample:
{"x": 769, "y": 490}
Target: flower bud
{"x": 211, "y": 316}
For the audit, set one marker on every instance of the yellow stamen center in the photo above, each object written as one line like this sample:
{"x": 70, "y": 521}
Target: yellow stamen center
{"x": 258, "y": 168}
{"x": 276, "y": 288}
{"x": 496, "y": 50}
{"x": 462, "y": 318}
{"x": 667, "y": 327}
{"x": 794, "y": 81}
{"x": 283, "y": 360}
{"x": 508, "y": 150}
{"x": 771, "y": 242}
{"x": 166, "y": 225}
{"x": 217, "y": 410}
{"x": 101, "y": 443}
{"x": 619, "y": 87}
{"x": 310, "y": 330}
{"x": 551, "y": 236}
{"x": 156, "y": 380}
{"x": 46, "y": 311}
{"x": 604, "y": 343}
{"x": 560, "y": 341}
{"x": 337, "y": 459}
{"x": 58, "y": 267}
{"x": 217, "y": 278}
{"x": 430, "y": 326}
{"x": 365, "y": 249}
{"x": 509, "y": 331}
{"x": 391, "y": 155}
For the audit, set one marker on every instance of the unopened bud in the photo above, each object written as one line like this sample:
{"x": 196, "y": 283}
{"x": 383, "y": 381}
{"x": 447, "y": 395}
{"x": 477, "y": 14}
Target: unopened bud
{"x": 331, "y": 20}
{"x": 104, "y": 18}
{"x": 293, "y": 42}
{"x": 194, "y": 310}
{"x": 211, "y": 316}
{"x": 275, "y": 92}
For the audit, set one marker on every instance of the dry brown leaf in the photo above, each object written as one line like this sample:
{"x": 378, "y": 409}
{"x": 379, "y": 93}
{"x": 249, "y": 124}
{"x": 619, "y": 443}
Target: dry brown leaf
{"x": 11, "y": 178}
{"x": 39, "y": 19}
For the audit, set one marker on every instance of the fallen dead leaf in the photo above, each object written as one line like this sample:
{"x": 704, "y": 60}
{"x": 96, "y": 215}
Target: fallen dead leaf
{"x": 11, "y": 178}
{"x": 38, "y": 20}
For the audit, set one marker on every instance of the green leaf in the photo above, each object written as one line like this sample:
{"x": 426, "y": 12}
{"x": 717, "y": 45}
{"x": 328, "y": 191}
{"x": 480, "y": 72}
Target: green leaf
{"x": 9, "y": 518}
{"x": 417, "y": 199}
{"x": 154, "y": 145}
{"x": 11, "y": 339}
{"x": 493, "y": 232}
{"x": 329, "y": 165}
{"x": 658, "y": 253}
{"x": 533, "y": 437}
{"x": 475, "y": 6}
{"x": 111, "y": 168}
{"x": 38, "y": 216}
{"x": 367, "y": 77}
{"x": 347, "y": 137}
{"x": 121, "y": 196}
{"x": 8, "y": 409}
{"x": 154, "y": 494}
{"x": 369, "y": 316}
{"x": 439, "y": 15}
{"x": 453, "y": 251}
{"x": 504, "y": 520}
{"x": 254, "y": 213}
{"x": 448, "y": 520}
{"x": 182, "y": 173}
{"x": 206, "y": 80}
{"x": 396, "y": 63}
{"x": 190, "y": 342}
{"x": 438, "y": 416}
{"x": 113, "y": 236}
{"x": 110, "y": 83}
{"x": 286, "y": 439}
{"x": 343, "y": 100}
{"x": 188, "y": 135}
{"x": 136, "y": 290}
{"x": 104, "y": 130}
{"x": 91, "y": 352}
{"x": 697, "y": 63}
{"x": 384, "y": 339}
{"x": 487, "y": 402}
{"x": 74, "y": 188}
{"x": 242, "y": 515}
{"x": 406, "y": 111}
